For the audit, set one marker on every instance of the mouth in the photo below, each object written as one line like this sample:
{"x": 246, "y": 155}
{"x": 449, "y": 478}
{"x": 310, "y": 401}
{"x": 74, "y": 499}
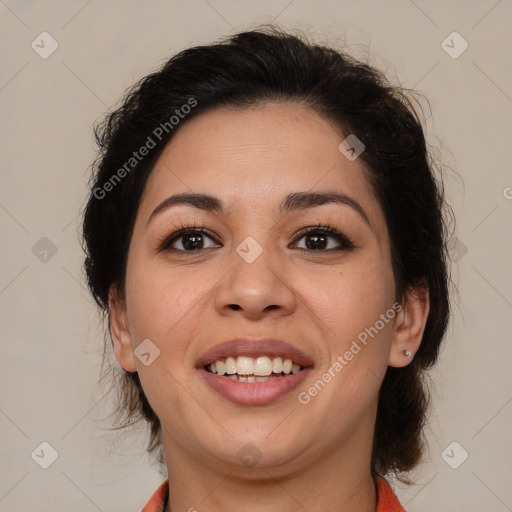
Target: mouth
{"x": 254, "y": 371}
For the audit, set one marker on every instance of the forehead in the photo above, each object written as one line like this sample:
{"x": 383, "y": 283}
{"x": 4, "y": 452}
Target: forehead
{"x": 252, "y": 157}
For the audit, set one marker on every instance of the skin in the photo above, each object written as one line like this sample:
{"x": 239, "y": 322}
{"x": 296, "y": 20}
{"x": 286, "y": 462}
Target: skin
{"x": 313, "y": 457}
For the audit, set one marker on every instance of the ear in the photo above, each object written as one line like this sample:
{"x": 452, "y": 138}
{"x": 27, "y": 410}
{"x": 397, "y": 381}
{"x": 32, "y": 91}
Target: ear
{"x": 121, "y": 338}
{"x": 409, "y": 326}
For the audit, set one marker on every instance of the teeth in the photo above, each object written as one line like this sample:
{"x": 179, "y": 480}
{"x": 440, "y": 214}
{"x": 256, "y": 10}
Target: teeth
{"x": 242, "y": 378}
{"x": 254, "y": 368}
{"x": 277, "y": 365}
{"x": 230, "y": 365}
{"x": 221, "y": 368}
{"x": 287, "y": 365}
{"x": 263, "y": 366}
{"x": 244, "y": 365}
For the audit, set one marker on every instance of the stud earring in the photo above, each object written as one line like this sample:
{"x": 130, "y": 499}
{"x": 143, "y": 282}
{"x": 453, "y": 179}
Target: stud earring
{"x": 407, "y": 353}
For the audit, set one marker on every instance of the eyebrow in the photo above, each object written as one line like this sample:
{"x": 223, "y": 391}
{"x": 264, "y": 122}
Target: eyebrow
{"x": 292, "y": 202}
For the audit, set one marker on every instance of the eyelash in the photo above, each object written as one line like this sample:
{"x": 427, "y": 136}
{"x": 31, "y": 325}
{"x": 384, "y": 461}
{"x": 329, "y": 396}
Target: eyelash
{"x": 345, "y": 242}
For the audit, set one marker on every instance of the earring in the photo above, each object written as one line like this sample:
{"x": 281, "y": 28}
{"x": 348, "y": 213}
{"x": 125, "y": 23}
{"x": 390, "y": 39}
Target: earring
{"x": 407, "y": 353}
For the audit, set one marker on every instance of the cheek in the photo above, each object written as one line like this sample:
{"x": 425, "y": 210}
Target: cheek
{"x": 162, "y": 306}
{"x": 354, "y": 306}
{"x": 357, "y": 321}
{"x": 351, "y": 299}
{"x": 159, "y": 300}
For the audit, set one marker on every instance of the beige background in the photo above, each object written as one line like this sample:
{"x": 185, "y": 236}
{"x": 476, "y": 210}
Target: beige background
{"x": 51, "y": 336}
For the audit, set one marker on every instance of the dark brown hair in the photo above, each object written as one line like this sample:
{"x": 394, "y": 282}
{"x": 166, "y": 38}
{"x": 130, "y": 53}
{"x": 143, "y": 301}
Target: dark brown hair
{"x": 247, "y": 69}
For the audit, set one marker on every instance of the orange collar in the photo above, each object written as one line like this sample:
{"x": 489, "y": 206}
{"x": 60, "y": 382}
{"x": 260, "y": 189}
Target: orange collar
{"x": 388, "y": 502}
{"x": 156, "y": 503}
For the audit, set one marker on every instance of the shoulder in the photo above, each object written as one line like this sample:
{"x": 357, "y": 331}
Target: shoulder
{"x": 388, "y": 502}
{"x": 156, "y": 502}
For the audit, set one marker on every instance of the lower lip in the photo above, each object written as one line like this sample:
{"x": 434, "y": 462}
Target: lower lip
{"x": 253, "y": 393}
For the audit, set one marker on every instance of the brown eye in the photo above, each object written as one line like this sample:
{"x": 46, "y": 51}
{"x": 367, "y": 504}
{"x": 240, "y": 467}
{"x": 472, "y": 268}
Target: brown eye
{"x": 187, "y": 240}
{"x": 318, "y": 239}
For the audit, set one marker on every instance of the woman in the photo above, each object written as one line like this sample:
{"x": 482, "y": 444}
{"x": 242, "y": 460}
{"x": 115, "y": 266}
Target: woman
{"x": 265, "y": 234}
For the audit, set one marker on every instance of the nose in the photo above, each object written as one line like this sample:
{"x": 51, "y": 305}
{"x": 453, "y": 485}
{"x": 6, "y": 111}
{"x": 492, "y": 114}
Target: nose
{"x": 256, "y": 289}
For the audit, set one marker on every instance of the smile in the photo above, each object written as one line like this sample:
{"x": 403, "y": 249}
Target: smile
{"x": 254, "y": 381}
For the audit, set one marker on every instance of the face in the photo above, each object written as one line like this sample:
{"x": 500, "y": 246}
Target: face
{"x": 251, "y": 270}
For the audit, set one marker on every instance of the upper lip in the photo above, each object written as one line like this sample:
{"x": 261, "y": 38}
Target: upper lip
{"x": 255, "y": 347}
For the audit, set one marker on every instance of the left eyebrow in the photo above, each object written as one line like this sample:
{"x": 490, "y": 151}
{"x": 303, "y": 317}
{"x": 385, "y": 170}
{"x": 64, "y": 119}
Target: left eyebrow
{"x": 292, "y": 202}
{"x": 303, "y": 200}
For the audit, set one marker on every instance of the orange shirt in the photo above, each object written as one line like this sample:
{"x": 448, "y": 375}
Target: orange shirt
{"x": 388, "y": 502}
